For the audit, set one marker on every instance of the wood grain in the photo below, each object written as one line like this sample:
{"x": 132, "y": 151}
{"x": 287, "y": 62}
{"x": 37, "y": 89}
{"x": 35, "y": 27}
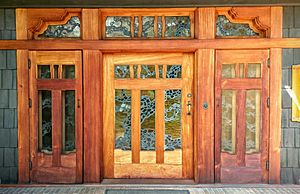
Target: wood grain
{"x": 160, "y": 125}
{"x": 90, "y": 24}
{"x": 136, "y": 125}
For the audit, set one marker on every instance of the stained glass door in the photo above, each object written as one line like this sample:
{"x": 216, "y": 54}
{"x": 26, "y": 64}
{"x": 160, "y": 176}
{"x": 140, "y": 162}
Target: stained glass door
{"x": 148, "y": 116}
{"x": 56, "y": 116}
{"x": 242, "y": 114}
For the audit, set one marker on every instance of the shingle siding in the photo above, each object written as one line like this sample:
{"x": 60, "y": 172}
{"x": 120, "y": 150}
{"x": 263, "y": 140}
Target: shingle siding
{"x": 8, "y": 101}
{"x": 290, "y": 152}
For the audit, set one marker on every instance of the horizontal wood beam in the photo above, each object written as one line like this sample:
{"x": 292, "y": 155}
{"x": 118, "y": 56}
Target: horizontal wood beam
{"x": 150, "y": 45}
{"x": 142, "y": 3}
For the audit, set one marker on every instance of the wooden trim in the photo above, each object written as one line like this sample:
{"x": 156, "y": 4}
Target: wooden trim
{"x": 92, "y": 79}
{"x": 241, "y": 128}
{"x": 56, "y": 127}
{"x": 151, "y": 45}
{"x": 148, "y": 84}
{"x": 56, "y": 84}
{"x": 275, "y": 97}
{"x": 143, "y": 4}
{"x": 206, "y": 25}
{"x": 136, "y": 125}
{"x": 241, "y": 83}
{"x": 160, "y": 125}
{"x": 90, "y": 24}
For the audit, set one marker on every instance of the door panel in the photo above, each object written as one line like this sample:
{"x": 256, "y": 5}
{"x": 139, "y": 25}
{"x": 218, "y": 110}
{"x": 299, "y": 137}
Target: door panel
{"x": 148, "y": 116}
{"x": 56, "y": 117}
{"x": 241, "y": 125}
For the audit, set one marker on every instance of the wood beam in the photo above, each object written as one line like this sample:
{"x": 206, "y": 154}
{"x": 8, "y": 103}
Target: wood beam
{"x": 150, "y": 45}
{"x": 141, "y": 3}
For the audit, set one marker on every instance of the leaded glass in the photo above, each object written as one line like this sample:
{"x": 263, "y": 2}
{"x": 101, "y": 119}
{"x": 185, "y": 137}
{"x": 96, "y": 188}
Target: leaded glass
{"x": 45, "y": 121}
{"x": 56, "y": 67}
{"x": 159, "y": 26}
{"x": 227, "y": 28}
{"x": 122, "y": 71}
{"x": 178, "y": 26}
{"x": 68, "y": 71}
{"x": 117, "y": 26}
{"x": 136, "y": 26}
{"x": 44, "y": 72}
{"x": 160, "y": 71}
{"x": 147, "y": 120}
{"x": 123, "y": 119}
{"x": 148, "y": 26}
{"x": 69, "y": 30}
{"x": 254, "y": 70}
{"x": 228, "y": 120}
{"x": 148, "y": 71}
{"x": 174, "y": 71}
{"x": 228, "y": 70}
{"x": 69, "y": 120}
{"x": 253, "y": 98}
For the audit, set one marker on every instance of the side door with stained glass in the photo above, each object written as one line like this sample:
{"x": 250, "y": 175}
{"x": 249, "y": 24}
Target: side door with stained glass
{"x": 148, "y": 116}
{"x": 242, "y": 116}
{"x": 56, "y": 116}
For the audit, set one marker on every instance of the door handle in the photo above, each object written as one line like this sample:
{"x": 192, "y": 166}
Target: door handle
{"x": 189, "y": 105}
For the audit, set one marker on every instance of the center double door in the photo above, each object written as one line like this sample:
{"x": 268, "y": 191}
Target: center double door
{"x": 148, "y": 115}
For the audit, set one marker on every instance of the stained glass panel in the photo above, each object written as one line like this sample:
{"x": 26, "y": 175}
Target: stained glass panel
{"x": 44, "y": 72}
{"x": 228, "y": 120}
{"x": 123, "y": 119}
{"x": 160, "y": 71}
{"x": 117, "y": 26}
{"x": 254, "y": 70}
{"x": 148, "y": 71}
{"x": 228, "y": 70}
{"x": 122, "y": 71}
{"x": 159, "y": 26}
{"x": 136, "y": 26}
{"x": 69, "y": 30}
{"x": 227, "y": 28}
{"x": 56, "y": 67}
{"x": 174, "y": 71}
{"x": 178, "y": 26}
{"x": 148, "y": 26}
{"x": 45, "y": 121}
{"x": 253, "y": 102}
{"x": 69, "y": 120}
{"x": 68, "y": 71}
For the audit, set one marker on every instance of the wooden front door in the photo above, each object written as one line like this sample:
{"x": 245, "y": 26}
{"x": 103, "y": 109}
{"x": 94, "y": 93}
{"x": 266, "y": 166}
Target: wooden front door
{"x": 56, "y": 116}
{"x": 242, "y": 116}
{"x": 148, "y": 116}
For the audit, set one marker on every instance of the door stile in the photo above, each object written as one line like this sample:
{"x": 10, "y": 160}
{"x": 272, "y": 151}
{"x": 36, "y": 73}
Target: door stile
{"x": 160, "y": 125}
{"x": 56, "y": 127}
{"x": 109, "y": 116}
{"x": 136, "y": 126}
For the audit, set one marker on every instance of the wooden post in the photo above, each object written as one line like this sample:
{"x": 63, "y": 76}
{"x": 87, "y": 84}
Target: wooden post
{"x": 204, "y": 93}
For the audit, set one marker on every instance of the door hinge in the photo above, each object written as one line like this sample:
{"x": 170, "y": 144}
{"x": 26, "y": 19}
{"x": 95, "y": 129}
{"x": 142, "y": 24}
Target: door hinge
{"x": 29, "y": 63}
{"x": 30, "y": 165}
{"x": 268, "y": 102}
{"x": 267, "y": 165}
{"x": 29, "y": 103}
{"x": 269, "y": 62}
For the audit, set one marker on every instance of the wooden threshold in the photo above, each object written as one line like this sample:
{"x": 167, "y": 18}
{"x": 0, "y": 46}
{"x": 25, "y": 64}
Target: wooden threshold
{"x": 151, "y": 45}
{"x": 149, "y": 181}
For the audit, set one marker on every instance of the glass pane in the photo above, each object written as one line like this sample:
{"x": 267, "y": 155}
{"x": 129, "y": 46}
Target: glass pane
{"x": 228, "y": 71}
{"x": 174, "y": 71}
{"x": 148, "y": 71}
{"x": 253, "y": 103}
{"x": 45, "y": 121}
{"x": 136, "y": 26}
{"x": 148, "y": 26}
{"x": 178, "y": 26}
{"x": 254, "y": 70}
{"x": 241, "y": 66}
{"x": 68, "y": 71}
{"x": 226, "y": 28}
{"x": 122, "y": 71}
{"x": 122, "y": 126}
{"x": 118, "y": 26}
{"x": 135, "y": 73}
{"x": 228, "y": 121}
{"x": 160, "y": 71}
{"x": 69, "y": 121}
{"x": 148, "y": 127}
{"x": 69, "y": 30}
{"x": 44, "y": 72}
{"x": 159, "y": 26}
{"x": 173, "y": 146}
{"x": 56, "y": 71}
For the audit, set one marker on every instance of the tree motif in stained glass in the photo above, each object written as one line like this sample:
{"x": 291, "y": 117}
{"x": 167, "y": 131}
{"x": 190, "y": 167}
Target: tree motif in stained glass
{"x": 122, "y": 71}
{"x": 178, "y": 26}
{"x": 148, "y": 71}
{"x": 227, "y": 28}
{"x": 174, "y": 71}
{"x": 45, "y": 120}
{"x": 148, "y": 26}
{"x": 69, "y": 120}
{"x": 69, "y": 30}
{"x": 117, "y": 26}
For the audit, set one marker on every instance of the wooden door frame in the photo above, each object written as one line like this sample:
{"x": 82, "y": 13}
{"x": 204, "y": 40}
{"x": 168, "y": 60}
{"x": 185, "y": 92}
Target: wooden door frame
{"x": 203, "y": 45}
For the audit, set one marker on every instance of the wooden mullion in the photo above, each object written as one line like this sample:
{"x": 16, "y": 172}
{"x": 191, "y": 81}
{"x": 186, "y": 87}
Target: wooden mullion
{"x": 157, "y": 71}
{"x": 136, "y": 125}
{"x": 132, "y": 26}
{"x": 56, "y": 127}
{"x": 156, "y": 26}
{"x": 246, "y": 66}
{"x": 241, "y": 128}
{"x": 160, "y": 125}
{"x": 140, "y": 26}
{"x": 131, "y": 71}
{"x": 164, "y": 73}
{"x": 147, "y": 84}
{"x": 163, "y": 27}
{"x": 139, "y": 71}
{"x": 241, "y": 83}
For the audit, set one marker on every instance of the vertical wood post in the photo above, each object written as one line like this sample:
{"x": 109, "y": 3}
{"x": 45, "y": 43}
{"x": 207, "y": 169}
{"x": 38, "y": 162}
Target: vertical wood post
{"x": 275, "y": 98}
{"x": 23, "y": 95}
{"x": 92, "y": 99}
{"x": 204, "y": 93}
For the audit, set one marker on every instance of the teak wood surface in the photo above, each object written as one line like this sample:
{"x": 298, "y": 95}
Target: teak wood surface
{"x": 96, "y": 110}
